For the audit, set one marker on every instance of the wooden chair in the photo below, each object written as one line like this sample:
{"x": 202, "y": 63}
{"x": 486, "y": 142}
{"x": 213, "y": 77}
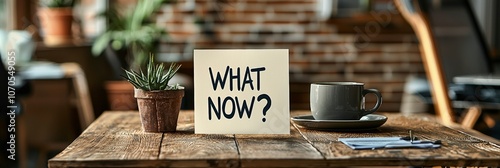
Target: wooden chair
{"x": 72, "y": 84}
{"x": 433, "y": 67}
{"x": 80, "y": 98}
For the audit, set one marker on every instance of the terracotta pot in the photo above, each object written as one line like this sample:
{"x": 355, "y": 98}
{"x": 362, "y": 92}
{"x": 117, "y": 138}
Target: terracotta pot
{"x": 159, "y": 109}
{"x": 120, "y": 95}
{"x": 56, "y": 24}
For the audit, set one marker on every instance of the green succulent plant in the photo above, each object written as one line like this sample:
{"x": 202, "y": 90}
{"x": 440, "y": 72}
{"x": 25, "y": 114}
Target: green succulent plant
{"x": 155, "y": 78}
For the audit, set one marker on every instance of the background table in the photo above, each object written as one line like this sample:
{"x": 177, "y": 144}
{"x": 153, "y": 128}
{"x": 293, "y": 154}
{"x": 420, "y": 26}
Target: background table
{"x": 116, "y": 139}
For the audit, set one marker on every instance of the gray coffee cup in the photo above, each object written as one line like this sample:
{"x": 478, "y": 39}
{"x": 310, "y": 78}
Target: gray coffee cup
{"x": 340, "y": 100}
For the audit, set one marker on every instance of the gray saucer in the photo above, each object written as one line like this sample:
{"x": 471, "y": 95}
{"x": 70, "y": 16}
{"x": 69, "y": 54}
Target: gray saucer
{"x": 368, "y": 122}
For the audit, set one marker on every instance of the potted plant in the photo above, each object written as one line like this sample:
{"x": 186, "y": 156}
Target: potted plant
{"x": 130, "y": 36}
{"x": 56, "y": 18}
{"x": 132, "y": 31}
{"x": 159, "y": 103}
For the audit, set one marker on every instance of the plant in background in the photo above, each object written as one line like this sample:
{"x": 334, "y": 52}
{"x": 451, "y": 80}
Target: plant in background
{"x": 56, "y": 20}
{"x": 57, "y": 3}
{"x": 133, "y": 31}
{"x": 155, "y": 78}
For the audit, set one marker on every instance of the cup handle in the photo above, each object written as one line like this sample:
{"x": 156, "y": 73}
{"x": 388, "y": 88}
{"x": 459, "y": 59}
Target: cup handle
{"x": 379, "y": 100}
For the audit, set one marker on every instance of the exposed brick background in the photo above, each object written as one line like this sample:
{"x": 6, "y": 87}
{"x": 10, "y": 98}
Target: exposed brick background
{"x": 380, "y": 53}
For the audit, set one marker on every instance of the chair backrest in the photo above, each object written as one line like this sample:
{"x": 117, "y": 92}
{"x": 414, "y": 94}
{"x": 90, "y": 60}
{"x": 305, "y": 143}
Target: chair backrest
{"x": 459, "y": 41}
{"x": 417, "y": 19}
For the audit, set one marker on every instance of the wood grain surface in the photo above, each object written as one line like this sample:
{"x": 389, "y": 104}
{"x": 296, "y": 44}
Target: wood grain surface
{"x": 115, "y": 139}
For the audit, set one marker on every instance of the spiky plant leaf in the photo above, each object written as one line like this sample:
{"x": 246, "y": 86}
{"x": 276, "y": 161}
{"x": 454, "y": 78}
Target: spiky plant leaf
{"x": 155, "y": 78}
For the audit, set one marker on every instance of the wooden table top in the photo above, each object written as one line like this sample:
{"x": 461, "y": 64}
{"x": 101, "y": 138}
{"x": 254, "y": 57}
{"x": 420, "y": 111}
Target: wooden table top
{"x": 116, "y": 139}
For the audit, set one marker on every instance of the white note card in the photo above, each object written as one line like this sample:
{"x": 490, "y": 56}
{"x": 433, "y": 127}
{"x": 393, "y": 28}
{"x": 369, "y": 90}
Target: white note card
{"x": 241, "y": 91}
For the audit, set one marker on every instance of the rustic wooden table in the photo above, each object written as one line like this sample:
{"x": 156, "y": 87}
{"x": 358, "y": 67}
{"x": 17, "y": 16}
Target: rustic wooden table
{"x": 115, "y": 139}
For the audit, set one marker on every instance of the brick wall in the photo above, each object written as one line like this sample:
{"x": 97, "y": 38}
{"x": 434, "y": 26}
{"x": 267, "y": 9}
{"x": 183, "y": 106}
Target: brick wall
{"x": 379, "y": 51}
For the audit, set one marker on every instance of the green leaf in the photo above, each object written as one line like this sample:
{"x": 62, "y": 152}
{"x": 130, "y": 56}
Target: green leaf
{"x": 100, "y": 44}
{"x": 155, "y": 77}
{"x": 57, "y": 3}
{"x": 133, "y": 30}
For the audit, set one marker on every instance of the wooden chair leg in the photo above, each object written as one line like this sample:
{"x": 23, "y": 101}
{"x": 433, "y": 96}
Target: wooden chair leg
{"x": 83, "y": 103}
{"x": 471, "y": 116}
{"x": 430, "y": 58}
